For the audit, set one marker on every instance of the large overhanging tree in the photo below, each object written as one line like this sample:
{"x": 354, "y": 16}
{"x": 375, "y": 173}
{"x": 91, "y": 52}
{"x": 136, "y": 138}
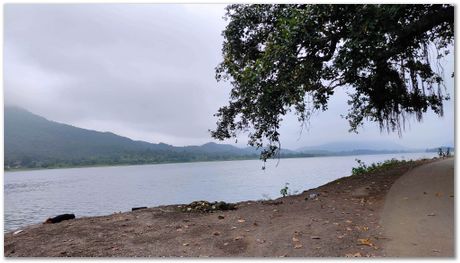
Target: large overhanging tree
{"x": 282, "y": 58}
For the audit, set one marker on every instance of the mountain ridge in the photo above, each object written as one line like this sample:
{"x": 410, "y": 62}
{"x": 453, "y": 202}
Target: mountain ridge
{"x": 32, "y": 141}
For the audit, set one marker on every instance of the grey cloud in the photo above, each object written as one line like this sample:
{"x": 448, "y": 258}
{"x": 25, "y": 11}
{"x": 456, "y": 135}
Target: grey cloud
{"x": 146, "y": 71}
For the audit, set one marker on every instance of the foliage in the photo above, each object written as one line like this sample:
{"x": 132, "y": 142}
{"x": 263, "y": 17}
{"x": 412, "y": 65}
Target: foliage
{"x": 362, "y": 168}
{"x": 285, "y": 190}
{"x": 282, "y": 58}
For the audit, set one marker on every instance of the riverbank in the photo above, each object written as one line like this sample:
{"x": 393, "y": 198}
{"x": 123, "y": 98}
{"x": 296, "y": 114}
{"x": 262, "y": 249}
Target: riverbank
{"x": 338, "y": 219}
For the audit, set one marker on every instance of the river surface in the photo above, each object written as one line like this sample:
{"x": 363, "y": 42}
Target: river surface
{"x": 32, "y": 196}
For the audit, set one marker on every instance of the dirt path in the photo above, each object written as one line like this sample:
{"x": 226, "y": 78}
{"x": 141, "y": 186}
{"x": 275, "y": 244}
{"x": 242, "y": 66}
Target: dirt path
{"x": 418, "y": 215}
{"x": 335, "y": 220}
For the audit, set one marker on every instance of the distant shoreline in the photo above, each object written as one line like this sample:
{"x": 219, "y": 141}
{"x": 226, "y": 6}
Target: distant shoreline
{"x": 12, "y": 170}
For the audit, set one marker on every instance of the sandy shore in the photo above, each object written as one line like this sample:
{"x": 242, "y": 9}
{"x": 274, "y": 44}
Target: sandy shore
{"x": 343, "y": 220}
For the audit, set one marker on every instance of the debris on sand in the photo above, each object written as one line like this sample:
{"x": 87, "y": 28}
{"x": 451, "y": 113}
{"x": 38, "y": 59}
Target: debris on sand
{"x": 17, "y": 232}
{"x": 207, "y": 207}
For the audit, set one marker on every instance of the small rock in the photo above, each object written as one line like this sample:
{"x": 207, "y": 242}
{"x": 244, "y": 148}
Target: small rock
{"x": 17, "y": 232}
{"x": 216, "y": 233}
{"x": 315, "y": 237}
{"x": 185, "y": 244}
{"x": 355, "y": 255}
{"x": 297, "y": 246}
{"x": 220, "y": 217}
{"x": 238, "y": 238}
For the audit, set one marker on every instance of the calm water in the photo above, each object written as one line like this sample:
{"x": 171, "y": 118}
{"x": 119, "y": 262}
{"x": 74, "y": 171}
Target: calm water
{"x": 33, "y": 196}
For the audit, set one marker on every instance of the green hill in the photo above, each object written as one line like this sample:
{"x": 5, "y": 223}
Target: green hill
{"x": 32, "y": 141}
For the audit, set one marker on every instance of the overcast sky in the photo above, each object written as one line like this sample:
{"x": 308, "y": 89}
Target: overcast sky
{"x": 147, "y": 72}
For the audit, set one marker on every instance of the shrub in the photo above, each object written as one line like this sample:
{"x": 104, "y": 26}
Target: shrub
{"x": 284, "y": 191}
{"x": 364, "y": 169}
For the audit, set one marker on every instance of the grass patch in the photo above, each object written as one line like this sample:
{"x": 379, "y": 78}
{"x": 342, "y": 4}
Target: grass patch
{"x": 363, "y": 168}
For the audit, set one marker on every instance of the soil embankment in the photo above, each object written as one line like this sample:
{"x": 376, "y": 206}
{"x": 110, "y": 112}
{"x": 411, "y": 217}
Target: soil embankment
{"x": 335, "y": 220}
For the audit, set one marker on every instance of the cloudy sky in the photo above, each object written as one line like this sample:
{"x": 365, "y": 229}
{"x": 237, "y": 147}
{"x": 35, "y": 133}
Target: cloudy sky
{"x": 147, "y": 72}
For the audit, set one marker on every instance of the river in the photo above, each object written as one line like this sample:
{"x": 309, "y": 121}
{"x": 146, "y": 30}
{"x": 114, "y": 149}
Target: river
{"x": 32, "y": 196}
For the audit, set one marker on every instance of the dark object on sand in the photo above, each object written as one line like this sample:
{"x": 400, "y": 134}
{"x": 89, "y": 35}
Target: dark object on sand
{"x": 59, "y": 218}
{"x": 138, "y": 208}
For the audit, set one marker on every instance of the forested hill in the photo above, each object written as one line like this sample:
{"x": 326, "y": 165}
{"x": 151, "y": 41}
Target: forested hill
{"x": 32, "y": 141}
